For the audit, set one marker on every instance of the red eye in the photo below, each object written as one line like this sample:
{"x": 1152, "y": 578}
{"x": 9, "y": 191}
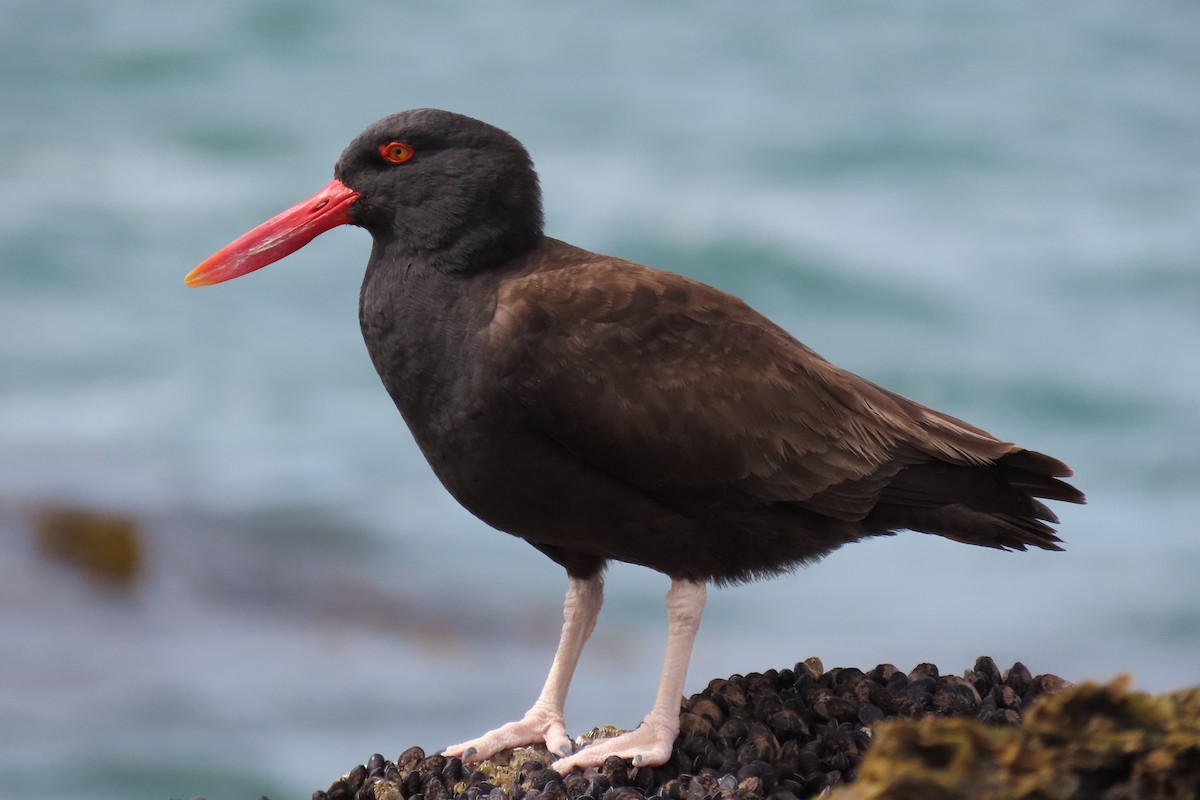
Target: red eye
{"x": 395, "y": 152}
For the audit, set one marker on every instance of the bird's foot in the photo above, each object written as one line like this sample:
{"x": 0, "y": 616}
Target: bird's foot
{"x": 539, "y": 725}
{"x": 648, "y": 745}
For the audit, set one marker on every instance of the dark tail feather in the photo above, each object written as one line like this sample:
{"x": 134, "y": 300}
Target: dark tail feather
{"x": 1039, "y": 474}
{"x": 993, "y": 505}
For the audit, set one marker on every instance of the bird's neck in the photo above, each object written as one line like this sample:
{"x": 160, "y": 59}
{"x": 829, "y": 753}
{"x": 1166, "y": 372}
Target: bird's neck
{"x": 420, "y": 322}
{"x": 477, "y": 240}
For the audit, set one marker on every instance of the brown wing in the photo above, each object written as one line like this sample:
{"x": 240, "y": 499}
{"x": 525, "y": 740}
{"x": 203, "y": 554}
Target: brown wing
{"x": 688, "y": 390}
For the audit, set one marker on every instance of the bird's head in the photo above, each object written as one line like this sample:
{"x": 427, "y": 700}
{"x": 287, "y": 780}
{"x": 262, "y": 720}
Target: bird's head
{"x": 430, "y": 186}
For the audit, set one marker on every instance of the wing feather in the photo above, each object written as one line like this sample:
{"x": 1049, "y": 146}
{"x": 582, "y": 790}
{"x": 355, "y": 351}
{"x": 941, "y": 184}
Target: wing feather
{"x": 683, "y": 390}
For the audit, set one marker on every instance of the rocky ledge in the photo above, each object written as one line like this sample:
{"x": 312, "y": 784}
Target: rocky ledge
{"x": 853, "y": 735}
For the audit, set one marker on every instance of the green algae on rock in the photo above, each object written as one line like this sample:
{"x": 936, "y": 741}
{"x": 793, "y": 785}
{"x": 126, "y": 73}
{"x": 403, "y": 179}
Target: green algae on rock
{"x": 1093, "y": 741}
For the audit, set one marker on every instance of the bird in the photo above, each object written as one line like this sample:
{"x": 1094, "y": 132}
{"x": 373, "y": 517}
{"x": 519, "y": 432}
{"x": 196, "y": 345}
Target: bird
{"x": 603, "y": 410}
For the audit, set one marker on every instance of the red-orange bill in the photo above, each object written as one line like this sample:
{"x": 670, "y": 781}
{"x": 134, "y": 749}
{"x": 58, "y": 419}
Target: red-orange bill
{"x": 277, "y": 237}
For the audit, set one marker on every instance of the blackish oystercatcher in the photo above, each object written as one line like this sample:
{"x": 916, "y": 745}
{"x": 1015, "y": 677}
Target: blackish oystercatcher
{"x": 600, "y": 409}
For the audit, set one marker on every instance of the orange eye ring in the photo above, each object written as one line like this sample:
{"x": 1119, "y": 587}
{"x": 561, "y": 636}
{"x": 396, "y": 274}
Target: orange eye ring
{"x": 395, "y": 152}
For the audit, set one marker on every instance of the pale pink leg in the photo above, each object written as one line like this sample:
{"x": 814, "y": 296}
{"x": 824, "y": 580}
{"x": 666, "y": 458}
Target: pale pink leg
{"x": 544, "y": 721}
{"x": 650, "y": 743}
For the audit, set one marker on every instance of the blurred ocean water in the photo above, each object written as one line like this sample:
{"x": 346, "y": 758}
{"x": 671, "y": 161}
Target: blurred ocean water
{"x": 992, "y": 208}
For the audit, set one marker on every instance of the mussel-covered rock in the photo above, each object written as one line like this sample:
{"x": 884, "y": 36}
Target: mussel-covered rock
{"x": 795, "y": 733}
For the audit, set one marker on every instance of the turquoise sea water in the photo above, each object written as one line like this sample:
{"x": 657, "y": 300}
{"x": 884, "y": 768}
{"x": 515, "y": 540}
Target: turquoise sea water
{"x": 993, "y": 208}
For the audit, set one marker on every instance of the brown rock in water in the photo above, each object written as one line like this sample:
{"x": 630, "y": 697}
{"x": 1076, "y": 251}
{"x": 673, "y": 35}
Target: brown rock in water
{"x": 102, "y": 545}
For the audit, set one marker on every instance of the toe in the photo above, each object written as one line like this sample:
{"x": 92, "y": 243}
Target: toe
{"x": 647, "y": 746}
{"x": 535, "y": 727}
{"x": 558, "y": 742}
